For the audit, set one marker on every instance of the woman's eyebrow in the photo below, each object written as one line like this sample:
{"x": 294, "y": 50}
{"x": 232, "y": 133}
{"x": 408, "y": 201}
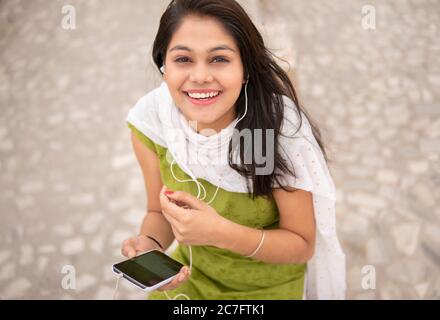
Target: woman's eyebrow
{"x": 218, "y": 48}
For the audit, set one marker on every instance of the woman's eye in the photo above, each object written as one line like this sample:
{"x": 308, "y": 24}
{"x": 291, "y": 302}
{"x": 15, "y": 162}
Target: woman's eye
{"x": 185, "y": 59}
{"x": 182, "y": 59}
{"x": 221, "y": 59}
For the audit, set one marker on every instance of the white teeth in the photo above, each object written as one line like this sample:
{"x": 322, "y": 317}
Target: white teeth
{"x": 203, "y": 95}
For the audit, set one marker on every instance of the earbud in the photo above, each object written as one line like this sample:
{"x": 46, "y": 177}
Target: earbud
{"x": 162, "y": 69}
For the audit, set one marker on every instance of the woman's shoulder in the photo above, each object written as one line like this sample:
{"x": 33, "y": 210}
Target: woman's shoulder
{"x": 299, "y": 146}
{"x": 144, "y": 115}
{"x": 146, "y": 103}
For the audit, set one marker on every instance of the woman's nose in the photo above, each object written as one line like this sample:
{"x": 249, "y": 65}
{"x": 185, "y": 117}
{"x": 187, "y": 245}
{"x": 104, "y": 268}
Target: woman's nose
{"x": 200, "y": 74}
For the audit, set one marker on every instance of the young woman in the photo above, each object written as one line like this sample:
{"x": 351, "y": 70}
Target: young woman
{"x": 253, "y": 220}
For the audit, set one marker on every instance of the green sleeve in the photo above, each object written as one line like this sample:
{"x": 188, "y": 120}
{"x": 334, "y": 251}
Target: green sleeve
{"x": 143, "y": 138}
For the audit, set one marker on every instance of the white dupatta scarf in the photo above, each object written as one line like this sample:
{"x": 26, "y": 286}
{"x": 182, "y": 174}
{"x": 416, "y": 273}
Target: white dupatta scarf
{"x": 157, "y": 117}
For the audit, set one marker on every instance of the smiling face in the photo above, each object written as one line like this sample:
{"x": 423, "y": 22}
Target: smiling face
{"x": 203, "y": 58}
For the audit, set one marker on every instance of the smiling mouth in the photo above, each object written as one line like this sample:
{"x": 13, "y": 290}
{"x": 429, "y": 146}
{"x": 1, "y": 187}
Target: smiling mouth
{"x": 204, "y": 99}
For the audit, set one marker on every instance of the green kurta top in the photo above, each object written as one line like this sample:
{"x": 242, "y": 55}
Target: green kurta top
{"x": 219, "y": 274}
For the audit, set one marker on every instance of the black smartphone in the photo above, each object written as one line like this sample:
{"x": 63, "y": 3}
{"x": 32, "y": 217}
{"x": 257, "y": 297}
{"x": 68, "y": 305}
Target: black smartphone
{"x": 149, "y": 270}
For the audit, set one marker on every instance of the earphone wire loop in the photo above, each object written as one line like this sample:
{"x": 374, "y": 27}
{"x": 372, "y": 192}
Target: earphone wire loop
{"x": 246, "y": 102}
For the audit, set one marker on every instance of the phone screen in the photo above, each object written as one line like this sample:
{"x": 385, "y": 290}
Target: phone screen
{"x": 150, "y": 268}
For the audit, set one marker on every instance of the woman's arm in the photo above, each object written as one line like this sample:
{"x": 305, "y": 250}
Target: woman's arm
{"x": 293, "y": 242}
{"x": 154, "y": 223}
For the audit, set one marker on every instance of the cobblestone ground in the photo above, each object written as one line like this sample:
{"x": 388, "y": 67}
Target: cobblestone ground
{"x": 71, "y": 190}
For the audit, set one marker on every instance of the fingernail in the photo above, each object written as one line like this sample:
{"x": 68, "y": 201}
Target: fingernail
{"x": 169, "y": 192}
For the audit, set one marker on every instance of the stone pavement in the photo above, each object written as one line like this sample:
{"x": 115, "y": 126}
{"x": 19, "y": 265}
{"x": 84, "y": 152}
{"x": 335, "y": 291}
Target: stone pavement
{"x": 71, "y": 190}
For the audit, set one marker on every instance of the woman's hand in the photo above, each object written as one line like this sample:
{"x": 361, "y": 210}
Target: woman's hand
{"x": 180, "y": 278}
{"x": 198, "y": 224}
{"x": 131, "y": 247}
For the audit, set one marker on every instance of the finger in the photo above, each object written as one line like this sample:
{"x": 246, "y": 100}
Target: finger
{"x": 177, "y": 281}
{"x": 179, "y": 278}
{"x": 187, "y": 199}
{"x": 162, "y": 198}
{"x": 131, "y": 253}
{"x": 126, "y": 246}
{"x": 174, "y": 222}
{"x": 141, "y": 243}
{"x": 173, "y": 210}
{"x": 165, "y": 202}
{"x": 129, "y": 242}
{"x": 124, "y": 251}
{"x": 171, "y": 285}
{"x": 184, "y": 272}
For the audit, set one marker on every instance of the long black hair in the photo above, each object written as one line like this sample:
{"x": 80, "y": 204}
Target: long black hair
{"x": 268, "y": 82}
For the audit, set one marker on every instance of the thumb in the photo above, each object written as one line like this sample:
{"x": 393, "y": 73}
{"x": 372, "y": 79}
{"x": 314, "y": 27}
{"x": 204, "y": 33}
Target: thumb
{"x": 131, "y": 253}
{"x": 186, "y": 198}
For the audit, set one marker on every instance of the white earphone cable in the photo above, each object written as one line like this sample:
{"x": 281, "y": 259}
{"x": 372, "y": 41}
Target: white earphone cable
{"x": 118, "y": 279}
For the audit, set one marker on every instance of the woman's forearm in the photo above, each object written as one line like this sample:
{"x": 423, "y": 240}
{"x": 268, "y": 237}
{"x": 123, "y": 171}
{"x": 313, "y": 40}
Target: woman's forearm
{"x": 156, "y": 226}
{"x": 279, "y": 246}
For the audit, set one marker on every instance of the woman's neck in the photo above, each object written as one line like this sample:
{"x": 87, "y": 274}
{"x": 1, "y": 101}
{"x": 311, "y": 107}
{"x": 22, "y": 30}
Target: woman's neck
{"x": 215, "y": 127}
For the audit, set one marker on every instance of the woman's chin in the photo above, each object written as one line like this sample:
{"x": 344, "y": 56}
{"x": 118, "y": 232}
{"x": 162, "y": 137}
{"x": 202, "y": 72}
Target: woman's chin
{"x": 199, "y": 117}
